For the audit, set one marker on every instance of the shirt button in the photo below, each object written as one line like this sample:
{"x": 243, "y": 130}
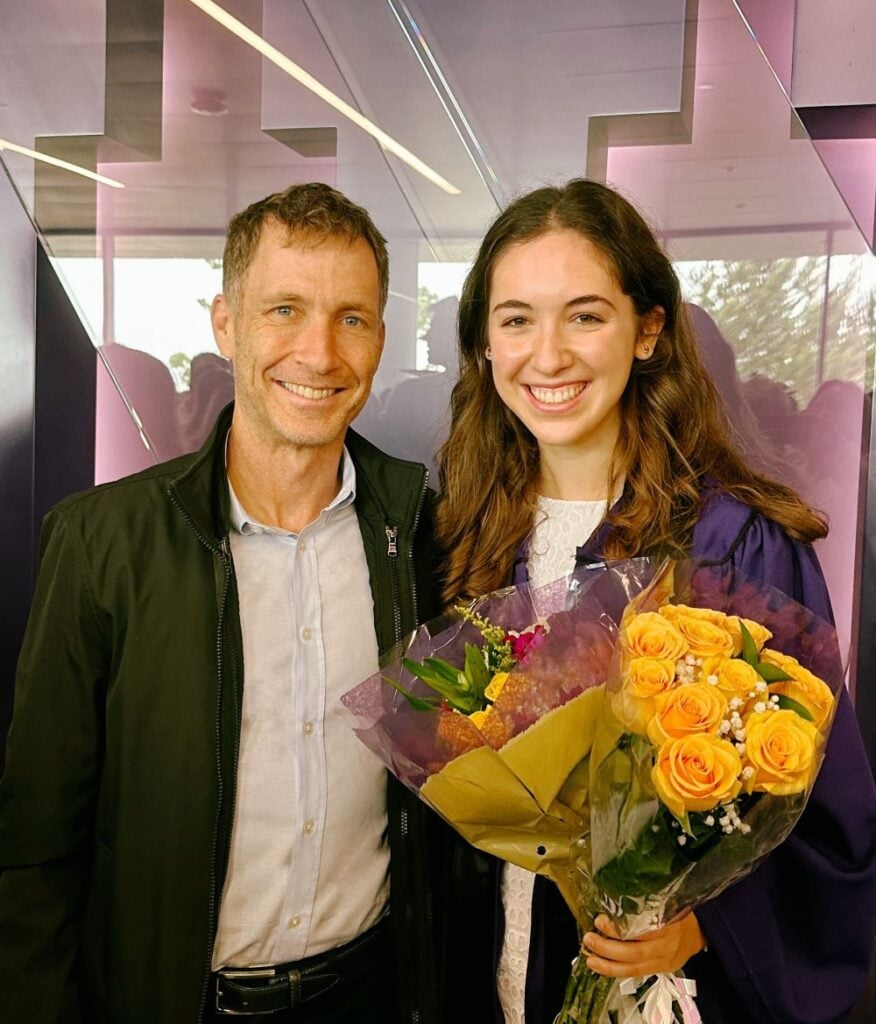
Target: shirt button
{"x": 295, "y": 922}
{"x": 306, "y": 634}
{"x": 308, "y": 728}
{"x": 308, "y": 826}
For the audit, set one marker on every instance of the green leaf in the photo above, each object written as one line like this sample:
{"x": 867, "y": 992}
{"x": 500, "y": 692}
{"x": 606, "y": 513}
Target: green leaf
{"x": 771, "y": 673}
{"x": 789, "y": 704}
{"x": 430, "y": 673}
{"x": 450, "y": 689}
{"x": 476, "y": 669}
{"x": 418, "y": 703}
{"x": 749, "y": 648}
{"x": 442, "y": 668}
{"x": 645, "y": 867}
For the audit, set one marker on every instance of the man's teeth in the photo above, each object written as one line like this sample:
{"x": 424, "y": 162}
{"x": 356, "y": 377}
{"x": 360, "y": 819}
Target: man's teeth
{"x": 305, "y": 392}
{"x": 556, "y": 396}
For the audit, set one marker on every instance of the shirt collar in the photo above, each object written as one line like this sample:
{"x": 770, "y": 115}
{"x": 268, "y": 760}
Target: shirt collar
{"x": 242, "y": 522}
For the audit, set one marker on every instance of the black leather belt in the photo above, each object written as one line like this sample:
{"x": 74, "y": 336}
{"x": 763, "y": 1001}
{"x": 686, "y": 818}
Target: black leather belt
{"x": 254, "y": 991}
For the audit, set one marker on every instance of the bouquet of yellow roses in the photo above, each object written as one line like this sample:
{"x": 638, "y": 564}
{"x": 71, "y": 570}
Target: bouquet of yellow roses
{"x": 710, "y": 737}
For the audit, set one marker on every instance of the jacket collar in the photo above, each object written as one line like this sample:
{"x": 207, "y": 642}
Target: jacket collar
{"x": 202, "y": 488}
{"x": 382, "y": 482}
{"x": 387, "y": 489}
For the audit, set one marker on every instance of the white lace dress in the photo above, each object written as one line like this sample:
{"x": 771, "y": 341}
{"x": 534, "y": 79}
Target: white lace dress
{"x": 561, "y": 527}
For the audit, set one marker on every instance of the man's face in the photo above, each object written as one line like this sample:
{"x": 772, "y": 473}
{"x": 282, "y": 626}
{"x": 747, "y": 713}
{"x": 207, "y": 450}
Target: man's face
{"x": 305, "y": 338}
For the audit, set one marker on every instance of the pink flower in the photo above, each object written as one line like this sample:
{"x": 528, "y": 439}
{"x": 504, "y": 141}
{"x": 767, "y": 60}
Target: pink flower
{"x": 523, "y": 643}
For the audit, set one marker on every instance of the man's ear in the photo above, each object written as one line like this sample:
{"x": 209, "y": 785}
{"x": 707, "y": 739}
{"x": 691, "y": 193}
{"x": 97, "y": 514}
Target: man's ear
{"x": 650, "y": 326}
{"x": 223, "y": 326}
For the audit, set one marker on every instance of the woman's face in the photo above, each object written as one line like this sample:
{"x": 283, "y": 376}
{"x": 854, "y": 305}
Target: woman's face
{"x": 562, "y": 340}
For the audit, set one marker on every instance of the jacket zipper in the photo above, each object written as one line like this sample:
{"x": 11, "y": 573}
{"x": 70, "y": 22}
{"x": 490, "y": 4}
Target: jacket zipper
{"x": 414, "y": 528}
{"x": 404, "y": 814}
{"x": 392, "y": 554}
{"x": 224, "y": 553}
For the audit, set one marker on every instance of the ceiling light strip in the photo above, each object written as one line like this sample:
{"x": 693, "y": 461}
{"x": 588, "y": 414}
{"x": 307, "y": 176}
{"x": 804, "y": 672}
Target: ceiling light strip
{"x": 309, "y": 82}
{"x": 435, "y": 77}
{"x": 55, "y": 162}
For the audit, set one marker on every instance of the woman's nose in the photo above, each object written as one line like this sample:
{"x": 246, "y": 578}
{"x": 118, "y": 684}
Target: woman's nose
{"x": 550, "y": 352}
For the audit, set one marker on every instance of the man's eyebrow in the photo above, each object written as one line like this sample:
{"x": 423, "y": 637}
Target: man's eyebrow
{"x": 290, "y": 298}
{"x": 278, "y": 298}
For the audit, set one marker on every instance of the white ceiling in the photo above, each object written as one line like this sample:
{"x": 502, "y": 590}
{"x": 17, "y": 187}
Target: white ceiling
{"x": 671, "y": 101}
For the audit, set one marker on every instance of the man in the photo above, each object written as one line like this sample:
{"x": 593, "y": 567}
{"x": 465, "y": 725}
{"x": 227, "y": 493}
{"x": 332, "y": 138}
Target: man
{"x": 189, "y": 829}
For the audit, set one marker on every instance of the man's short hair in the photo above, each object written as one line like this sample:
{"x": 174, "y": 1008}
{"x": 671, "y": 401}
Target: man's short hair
{"x": 315, "y": 210}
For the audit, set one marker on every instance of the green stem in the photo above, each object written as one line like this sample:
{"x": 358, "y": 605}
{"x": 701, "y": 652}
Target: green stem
{"x": 586, "y": 995}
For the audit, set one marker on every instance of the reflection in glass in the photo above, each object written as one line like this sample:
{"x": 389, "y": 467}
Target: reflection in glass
{"x": 673, "y": 102}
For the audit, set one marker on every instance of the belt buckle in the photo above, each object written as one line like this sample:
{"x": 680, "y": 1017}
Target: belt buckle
{"x": 257, "y": 972}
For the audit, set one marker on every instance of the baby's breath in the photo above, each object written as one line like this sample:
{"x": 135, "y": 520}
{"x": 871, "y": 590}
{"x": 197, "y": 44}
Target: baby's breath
{"x": 497, "y": 650}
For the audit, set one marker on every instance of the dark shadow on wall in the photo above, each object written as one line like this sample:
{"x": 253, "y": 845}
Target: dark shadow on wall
{"x": 173, "y": 422}
{"x": 411, "y": 418}
{"x": 746, "y": 424}
{"x": 211, "y": 388}
{"x": 43, "y": 457}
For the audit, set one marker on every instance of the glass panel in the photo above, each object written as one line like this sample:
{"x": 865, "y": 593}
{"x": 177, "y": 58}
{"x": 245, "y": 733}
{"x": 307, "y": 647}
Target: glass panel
{"x": 672, "y": 102}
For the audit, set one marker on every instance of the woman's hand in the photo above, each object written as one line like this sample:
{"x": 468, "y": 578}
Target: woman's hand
{"x": 663, "y": 951}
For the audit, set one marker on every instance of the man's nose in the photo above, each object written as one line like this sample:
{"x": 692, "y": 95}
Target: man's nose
{"x": 316, "y": 345}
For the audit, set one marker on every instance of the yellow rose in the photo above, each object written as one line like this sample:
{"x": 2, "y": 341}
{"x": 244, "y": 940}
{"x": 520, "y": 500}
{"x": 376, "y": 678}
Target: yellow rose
{"x": 478, "y": 718}
{"x": 675, "y": 611}
{"x": 735, "y": 677}
{"x": 650, "y": 635}
{"x": 703, "y": 636}
{"x": 759, "y": 634}
{"x": 781, "y": 747}
{"x": 696, "y": 773}
{"x": 694, "y": 708}
{"x": 494, "y": 687}
{"x": 810, "y": 691}
{"x": 643, "y": 679}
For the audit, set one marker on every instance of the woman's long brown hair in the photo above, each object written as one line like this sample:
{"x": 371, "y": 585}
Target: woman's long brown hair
{"x": 674, "y": 431}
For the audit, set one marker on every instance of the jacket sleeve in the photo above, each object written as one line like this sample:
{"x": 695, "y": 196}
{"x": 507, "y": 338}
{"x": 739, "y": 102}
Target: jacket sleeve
{"x": 793, "y": 940}
{"x": 48, "y": 789}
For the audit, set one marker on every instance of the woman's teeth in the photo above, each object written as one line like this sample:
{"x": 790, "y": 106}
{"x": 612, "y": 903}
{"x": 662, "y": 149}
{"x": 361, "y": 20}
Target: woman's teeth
{"x": 556, "y": 396}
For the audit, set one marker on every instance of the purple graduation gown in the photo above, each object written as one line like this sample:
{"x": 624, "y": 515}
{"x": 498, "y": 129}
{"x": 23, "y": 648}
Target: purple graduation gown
{"x": 792, "y": 941}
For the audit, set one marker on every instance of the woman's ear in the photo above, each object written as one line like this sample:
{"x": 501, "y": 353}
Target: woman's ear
{"x": 650, "y": 326}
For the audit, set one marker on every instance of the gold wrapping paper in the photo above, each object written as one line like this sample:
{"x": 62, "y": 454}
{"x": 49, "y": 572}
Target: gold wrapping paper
{"x": 526, "y": 802}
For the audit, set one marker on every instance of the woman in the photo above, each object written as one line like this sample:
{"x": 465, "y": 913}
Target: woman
{"x": 585, "y": 427}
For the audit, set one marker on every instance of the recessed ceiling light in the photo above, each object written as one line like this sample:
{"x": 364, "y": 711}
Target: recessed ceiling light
{"x": 55, "y": 162}
{"x": 208, "y": 102}
{"x": 254, "y": 40}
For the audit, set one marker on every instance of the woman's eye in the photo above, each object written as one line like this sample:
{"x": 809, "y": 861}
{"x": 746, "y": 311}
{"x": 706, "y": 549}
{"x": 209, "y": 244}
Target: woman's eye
{"x": 514, "y": 321}
{"x": 587, "y": 319}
